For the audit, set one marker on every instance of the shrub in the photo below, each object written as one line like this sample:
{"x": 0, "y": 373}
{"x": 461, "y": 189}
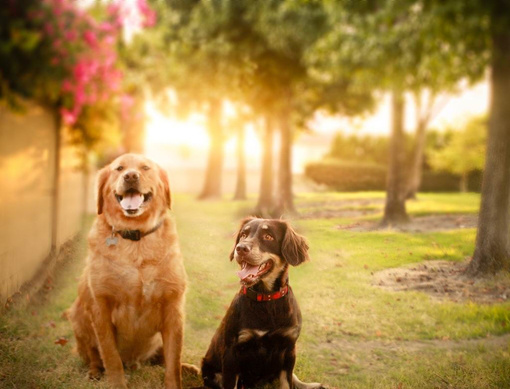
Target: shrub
{"x": 351, "y": 176}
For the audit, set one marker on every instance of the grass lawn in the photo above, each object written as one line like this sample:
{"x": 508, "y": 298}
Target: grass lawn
{"x": 355, "y": 335}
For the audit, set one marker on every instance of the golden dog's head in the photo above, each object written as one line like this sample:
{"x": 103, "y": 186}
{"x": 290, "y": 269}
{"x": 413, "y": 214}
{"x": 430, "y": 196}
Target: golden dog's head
{"x": 132, "y": 188}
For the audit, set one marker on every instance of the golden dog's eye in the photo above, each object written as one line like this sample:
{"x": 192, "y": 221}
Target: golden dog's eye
{"x": 145, "y": 167}
{"x": 243, "y": 235}
{"x": 120, "y": 168}
{"x": 268, "y": 237}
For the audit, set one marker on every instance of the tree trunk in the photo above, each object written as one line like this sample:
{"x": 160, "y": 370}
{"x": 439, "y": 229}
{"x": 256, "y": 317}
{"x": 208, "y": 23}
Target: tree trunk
{"x": 285, "y": 200}
{"x": 212, "y": 184}
{"x": 265, "y": 203}
{"x": 464, "y": 182}
{"x": 417, "y": 164}
{"x": 492, "y": 251}
{"x": 240, "y": 193}
{"x": 395, "y": 208}
{"x": 55, "y": 200}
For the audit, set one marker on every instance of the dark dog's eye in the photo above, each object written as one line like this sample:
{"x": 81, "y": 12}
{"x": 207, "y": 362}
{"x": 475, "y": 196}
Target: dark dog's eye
{"x": 268, "y": 237}
{"x": 120, "y": 168}
{"x": 145, "y": 167}
{"x": 243, "y": 235}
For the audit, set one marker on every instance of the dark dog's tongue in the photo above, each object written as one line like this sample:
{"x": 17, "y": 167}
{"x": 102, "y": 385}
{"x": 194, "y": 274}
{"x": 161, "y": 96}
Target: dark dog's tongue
{"x": 131, "y": 201}
{"x": 248, "y": 271}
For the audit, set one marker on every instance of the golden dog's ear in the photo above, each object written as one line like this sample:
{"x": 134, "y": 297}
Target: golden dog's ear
{"x": 238, "y": 235}
{"x": 294, "y": 247}
{"x": 166, "y": 187}
{"x": 102, "y": 177}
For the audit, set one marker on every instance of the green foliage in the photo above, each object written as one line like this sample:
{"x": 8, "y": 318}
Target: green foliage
{"x": 465, "y": 150}
{"x": 360, "y": 148}
{"x": 401, "y": 44}
{"x": 347, "y": 176}
{"x": 350, "y": 176}
{"x": 21, "y": 41}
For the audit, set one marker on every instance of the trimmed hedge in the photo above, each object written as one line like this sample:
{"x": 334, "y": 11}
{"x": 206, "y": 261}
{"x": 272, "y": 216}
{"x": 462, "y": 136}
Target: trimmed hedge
{"x": 350, "y": 177}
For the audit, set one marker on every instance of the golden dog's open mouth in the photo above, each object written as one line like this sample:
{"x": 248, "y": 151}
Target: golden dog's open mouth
{"x": 250, "y": 274}
{"x": 132, "y": 200}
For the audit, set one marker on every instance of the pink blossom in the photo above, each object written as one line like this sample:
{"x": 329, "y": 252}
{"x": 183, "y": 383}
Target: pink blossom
{"x": 70, "y": 35}
{"x": 148, "y": 13}
{"x": 91, "y": 38}
{"x": 68, "y": 117}
{"x": 48, "y": 29}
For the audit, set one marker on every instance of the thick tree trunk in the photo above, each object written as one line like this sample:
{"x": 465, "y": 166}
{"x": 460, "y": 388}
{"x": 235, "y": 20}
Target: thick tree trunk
{"x": 213, "y": 174}
{"x": 285, "y": 200}
{"x": 492, "y": 252}
{"x": 240, "y": 192}
{"x": 395, "y": 208}
{"x": 265, "y": 203}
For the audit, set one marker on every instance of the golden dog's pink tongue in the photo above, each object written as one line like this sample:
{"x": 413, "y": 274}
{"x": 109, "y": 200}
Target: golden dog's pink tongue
{"x": 131, "y": 201}
{"x": 247, "y": 271}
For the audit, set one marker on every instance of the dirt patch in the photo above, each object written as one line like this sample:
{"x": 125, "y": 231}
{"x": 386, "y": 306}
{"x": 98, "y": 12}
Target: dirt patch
{"x": 351, "y": 208}
{"x": 337, "y": 213}
{"x": 419, "y": 224}
{"x": 445, "y": 280}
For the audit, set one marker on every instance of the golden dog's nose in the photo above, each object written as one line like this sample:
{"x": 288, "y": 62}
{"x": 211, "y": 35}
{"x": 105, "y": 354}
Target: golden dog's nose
{"x": 131, "y": 177}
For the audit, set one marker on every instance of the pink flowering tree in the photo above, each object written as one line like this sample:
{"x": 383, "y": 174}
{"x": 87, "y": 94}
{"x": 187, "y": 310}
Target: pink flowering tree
{"x": 66, "y": 57}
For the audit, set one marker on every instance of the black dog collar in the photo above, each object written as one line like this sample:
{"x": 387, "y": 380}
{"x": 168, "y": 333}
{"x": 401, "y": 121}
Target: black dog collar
{"x": 251, "y": 294}
{"x": 136, "y": 235}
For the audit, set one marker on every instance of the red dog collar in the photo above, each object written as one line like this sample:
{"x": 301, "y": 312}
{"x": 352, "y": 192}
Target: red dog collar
{"x": 250, "y": 293}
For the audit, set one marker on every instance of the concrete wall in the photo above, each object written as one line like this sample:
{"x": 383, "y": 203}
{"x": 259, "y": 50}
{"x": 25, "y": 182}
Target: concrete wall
{"x": 27, "y": 166}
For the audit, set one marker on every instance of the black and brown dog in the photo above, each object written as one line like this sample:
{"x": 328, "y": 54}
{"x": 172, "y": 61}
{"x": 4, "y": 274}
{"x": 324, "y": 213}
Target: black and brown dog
{"x": 256, "y": 340}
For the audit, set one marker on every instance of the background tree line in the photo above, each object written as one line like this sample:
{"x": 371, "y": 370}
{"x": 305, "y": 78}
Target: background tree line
{"x": 280, "y": 61}
{"x": 284, "y": 59}
{"x": 452, "y": 160}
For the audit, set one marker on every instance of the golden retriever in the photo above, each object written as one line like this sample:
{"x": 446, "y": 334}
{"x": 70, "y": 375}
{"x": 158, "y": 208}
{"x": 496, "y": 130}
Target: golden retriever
{"x": 130, "y": 304}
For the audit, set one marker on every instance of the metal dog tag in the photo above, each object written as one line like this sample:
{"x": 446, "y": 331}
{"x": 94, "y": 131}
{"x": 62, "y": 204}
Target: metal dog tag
{"x": 111, "y": 241}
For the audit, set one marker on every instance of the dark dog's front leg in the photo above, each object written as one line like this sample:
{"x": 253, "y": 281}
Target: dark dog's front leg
{"x": 230, "y": 369}
{"x": 288, "y": 368}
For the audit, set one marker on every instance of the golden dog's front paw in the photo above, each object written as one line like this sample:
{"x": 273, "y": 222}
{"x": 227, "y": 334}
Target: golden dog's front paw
{"x": 117, "y": 381}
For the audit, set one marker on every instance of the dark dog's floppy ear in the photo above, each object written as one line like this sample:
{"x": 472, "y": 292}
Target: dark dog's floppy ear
{"x": 238, "y": 235}
{"x": 102, "y": 176}
{"x": 166, "y": 187}
{"x": 294, "y": 247}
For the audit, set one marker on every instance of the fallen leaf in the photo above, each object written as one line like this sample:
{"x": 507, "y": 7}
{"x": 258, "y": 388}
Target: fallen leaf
{"x": 61, "y": 341}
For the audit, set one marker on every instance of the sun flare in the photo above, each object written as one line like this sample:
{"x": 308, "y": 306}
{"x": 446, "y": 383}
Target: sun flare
{"x": 165, "y": 132}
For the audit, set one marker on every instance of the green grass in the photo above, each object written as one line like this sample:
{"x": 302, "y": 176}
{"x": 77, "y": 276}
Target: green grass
{"x": 355, "y": 335}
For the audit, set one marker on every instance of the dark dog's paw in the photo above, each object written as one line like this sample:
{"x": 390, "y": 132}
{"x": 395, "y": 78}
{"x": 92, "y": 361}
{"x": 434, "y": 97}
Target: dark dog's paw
{"x": 306, "y": 385}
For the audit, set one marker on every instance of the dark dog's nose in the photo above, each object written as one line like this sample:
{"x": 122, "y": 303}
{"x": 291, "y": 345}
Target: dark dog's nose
{"x": 242, "y": 249}
{"x": 131, "y": 177}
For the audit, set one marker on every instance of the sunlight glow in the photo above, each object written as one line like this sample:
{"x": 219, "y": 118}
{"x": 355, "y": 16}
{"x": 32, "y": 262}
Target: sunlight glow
{"x": 163, "y": 129}
{"x": 188, "y": 140}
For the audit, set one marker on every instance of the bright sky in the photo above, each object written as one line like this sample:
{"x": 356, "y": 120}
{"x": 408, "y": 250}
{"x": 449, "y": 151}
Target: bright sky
{"x": 460, "y": 107}
{"x": 172, "y": 141}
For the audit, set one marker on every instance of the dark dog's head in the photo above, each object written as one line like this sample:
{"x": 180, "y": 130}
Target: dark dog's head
{"x": 264, "y": 248}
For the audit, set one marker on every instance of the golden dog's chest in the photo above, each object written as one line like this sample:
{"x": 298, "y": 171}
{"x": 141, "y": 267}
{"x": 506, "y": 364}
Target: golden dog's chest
{"x": 129, "y": 284}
